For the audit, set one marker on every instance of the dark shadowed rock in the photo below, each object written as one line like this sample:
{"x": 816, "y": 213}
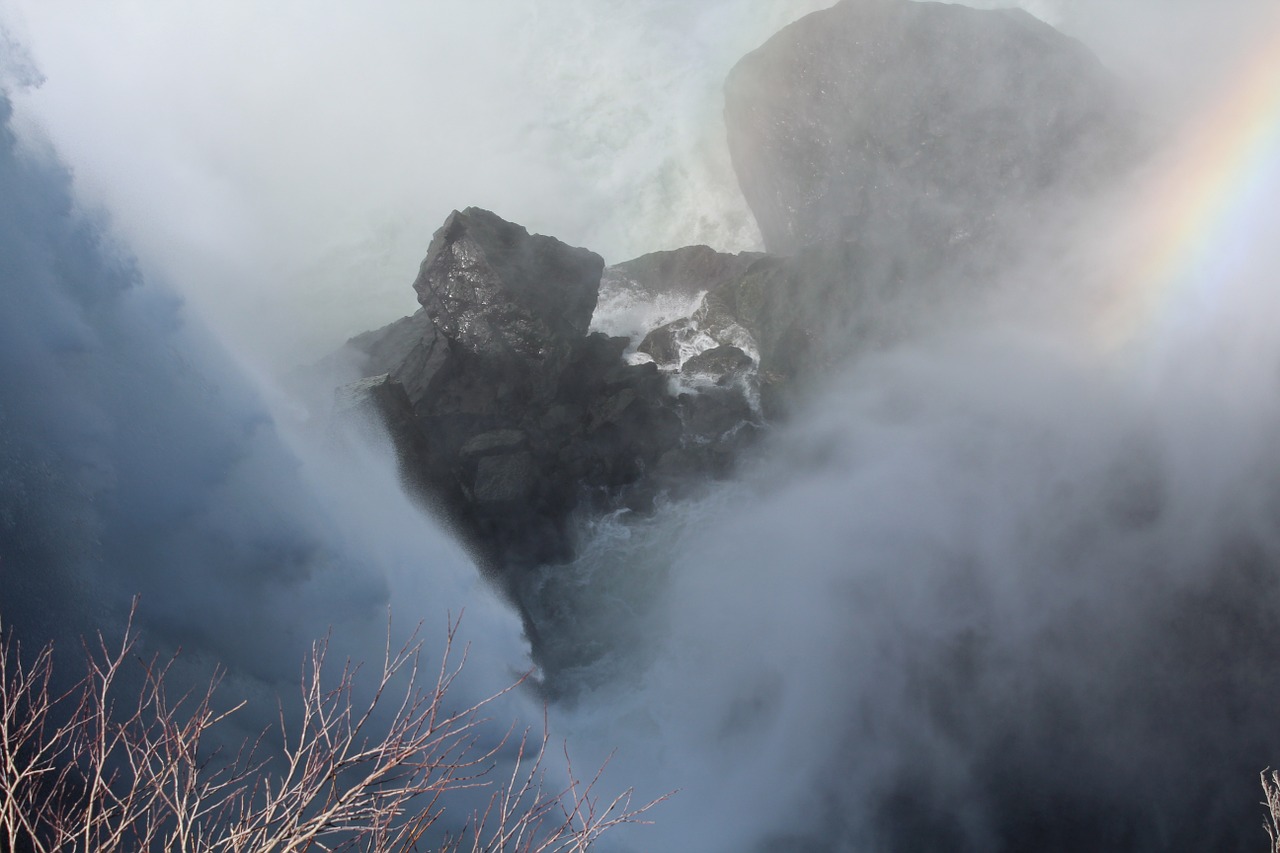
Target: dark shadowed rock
{"x": 891, "y": 120}
{"x": 411, "y": 350}
{"x": 369, "y": 394}
{"x": 494, "y": 441}
{"x": 507, "y": 478}
{"x": 509, "y": 413}
{"x": 687, "y": 270}
{"x": 663, "y": 343}
{"x": 360, "y": 407}
{"x": 495, "y": 290}
{"x": 711, "y": 414}
{"x": 722, "y": 364}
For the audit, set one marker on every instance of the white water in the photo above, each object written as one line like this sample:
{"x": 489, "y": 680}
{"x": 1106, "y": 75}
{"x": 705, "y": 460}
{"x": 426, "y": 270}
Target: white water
{"x": 136, "y": 458}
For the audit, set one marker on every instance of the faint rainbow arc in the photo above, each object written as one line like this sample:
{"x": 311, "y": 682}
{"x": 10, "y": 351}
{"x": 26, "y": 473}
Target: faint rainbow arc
{"x": 1197, "y": 200}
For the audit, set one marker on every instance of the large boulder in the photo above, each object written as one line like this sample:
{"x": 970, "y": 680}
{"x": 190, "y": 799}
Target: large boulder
{"x": 493, "y": 289}
{"x": 507, "y": 412}
{"x": 927, "y": 123}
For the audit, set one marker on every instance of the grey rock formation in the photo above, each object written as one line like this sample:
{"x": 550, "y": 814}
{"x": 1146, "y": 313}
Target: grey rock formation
{"x": 515, "y": 414}
{"x": 687, "y": 270}
{"x": 890, "y": 120}
{"x": 410, "y": 351}
{"x": 494, "y": 441}
{"x": 508, "y": 478}
{"x": 796, "y": 316}
{"x": 723, "y": 364}
{"x": 495, "y": 290}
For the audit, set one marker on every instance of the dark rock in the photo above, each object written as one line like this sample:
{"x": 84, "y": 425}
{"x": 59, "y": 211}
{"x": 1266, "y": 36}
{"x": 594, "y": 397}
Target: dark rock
{"x": 494, "y": 441}
{"x": 890, "y": 120}
{"x": 688, "y": 270}
{"x": 711, "y": 321}
{"x": 362, "y": 407}
{"x": 595, "y": 364}
{"x": 875, "y": 141}
{"x": 713, "y": 412}
{"x": 377, "y": 399}
{"x": 410, "y": 350}
{"x": 663, "y": 343}
{"x": 626, "y": 434}
{"x": 386, "y": 349}
{"x": 374, "y": 393}
{"x": 507, "y": 478}
{"x": 723, "y": 364}
{"x": 517, "y": 415}
{"x": 494, "y": 290}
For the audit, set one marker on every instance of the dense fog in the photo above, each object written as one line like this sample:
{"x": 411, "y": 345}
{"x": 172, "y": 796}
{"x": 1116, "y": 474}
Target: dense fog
{"x": 1004, "y": 581}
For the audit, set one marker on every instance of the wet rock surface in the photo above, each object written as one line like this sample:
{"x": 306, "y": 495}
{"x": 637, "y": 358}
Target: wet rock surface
{"x": 493, "y": 289}
{"x": 891, "y": 121}
{"x": 509, "y": 415}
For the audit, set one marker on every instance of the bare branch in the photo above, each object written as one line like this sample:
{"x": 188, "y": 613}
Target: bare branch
{"x": 107, "y": 768}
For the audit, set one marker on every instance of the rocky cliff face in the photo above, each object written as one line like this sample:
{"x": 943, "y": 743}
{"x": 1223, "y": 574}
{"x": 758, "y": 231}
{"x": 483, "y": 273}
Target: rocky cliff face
{"x": 888, "y": 121}
{"x": 510, "y": 416}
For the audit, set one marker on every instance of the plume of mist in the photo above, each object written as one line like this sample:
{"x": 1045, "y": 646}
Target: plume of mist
{"x": 135, "y": 458}
{"x": 1008, "y": 582}
{"x": 286, "y": 166}
{"x": 998, "y": 587}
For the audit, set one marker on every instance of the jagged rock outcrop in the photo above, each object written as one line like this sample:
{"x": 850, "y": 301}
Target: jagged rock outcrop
{"x": 497, "y": 291}
{"x": 711, "y": 324}
{"x": 915, "y": 123}
{"x": 722, "y": 364}
{"x": 409, "y": 351}
{"x": 518, "y": 414}
{"x": 690, "y": 269}
{"x": 795, "y": 316}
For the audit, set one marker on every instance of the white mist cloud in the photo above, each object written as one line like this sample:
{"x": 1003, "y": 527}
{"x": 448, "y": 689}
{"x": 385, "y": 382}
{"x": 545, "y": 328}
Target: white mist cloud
{"x": 997, "y": 586}
{"x": 1006, "y": 585}
{"x": 136, "y": 460}
{"x": 1000, "y": 543}
{"x": 284, "y": 165}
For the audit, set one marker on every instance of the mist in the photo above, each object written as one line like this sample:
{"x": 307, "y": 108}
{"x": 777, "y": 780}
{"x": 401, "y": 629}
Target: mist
{"x": 138, "y": 459}
{"x": 1006, "y": 581}
{"x": 285, "y": 168}
{"x": 993, "y": 593}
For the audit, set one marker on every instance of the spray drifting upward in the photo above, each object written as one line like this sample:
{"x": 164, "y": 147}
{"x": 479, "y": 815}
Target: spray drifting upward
{"x": 995, "y": 587}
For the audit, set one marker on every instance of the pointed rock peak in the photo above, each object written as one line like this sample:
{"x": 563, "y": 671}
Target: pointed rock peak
{"x": 493, "y": 288}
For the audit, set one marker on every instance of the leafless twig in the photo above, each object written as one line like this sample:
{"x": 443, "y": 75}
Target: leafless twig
{"x": 105, "y": 768}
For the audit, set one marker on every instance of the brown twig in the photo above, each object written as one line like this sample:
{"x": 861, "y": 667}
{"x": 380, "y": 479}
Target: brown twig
{"x": 105, "y": 768}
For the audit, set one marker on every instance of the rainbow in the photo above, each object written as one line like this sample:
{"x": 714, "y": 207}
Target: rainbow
{"x": 1200, "y": 199}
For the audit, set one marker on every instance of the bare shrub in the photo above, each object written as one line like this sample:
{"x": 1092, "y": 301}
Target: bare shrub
{"x": 1271, "y": 788}
{"x": 102, "y": 767}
